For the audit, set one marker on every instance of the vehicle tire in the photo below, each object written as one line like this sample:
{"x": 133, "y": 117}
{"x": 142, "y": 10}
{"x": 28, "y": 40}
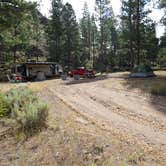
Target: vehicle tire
{"x": 64, "y": 77}
{"x": 76, "y": 77}
{"x": 40, "y": 76}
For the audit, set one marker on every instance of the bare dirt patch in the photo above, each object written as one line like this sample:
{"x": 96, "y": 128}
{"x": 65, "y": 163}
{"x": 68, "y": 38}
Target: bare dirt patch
{"x": 102, "y": 122}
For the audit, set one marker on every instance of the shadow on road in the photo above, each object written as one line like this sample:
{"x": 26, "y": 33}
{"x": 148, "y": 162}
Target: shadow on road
{"x": 149, "y": 86}
{"x": 98, "y": 78}
{"x": 86, "y": 80}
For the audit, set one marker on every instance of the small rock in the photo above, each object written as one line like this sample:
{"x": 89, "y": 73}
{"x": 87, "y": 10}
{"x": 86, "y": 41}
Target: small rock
{"x": 85, "y": 152}
{"x": 57, "y": 154}
{"x": 81, "y": 120}
{"x": 106, "y": 146}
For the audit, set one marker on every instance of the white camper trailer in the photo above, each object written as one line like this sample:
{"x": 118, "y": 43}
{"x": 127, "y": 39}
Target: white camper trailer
{"x": 38, "y": 70}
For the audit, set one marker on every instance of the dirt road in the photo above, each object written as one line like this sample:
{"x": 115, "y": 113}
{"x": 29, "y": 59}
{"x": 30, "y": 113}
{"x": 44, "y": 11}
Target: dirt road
{"x": 117, "y": 108}
{"x": 129, "y": 124}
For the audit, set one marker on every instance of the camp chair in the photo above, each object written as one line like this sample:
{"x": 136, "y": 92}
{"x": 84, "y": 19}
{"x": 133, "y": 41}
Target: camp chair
{"x": 9, "y": 79}
{"x": 13, "y": 80}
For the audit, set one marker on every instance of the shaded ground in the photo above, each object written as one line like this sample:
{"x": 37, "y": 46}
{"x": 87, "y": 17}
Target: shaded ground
{"x": 103, "y": 121}
{"x": 145, "y": 86}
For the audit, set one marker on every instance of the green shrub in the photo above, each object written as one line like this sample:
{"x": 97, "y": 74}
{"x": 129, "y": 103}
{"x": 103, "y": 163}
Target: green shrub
{"x": 3, "y": 106}
{"x": 26, "y": 109}
{"x": 20, "y": 96}
{"x": 4, "y": 70}
{"x": 159, "y": 90}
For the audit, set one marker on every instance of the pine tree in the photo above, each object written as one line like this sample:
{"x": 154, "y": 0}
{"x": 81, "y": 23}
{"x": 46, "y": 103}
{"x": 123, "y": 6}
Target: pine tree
{"x": 14, "y": 19}
{"x": 85, "y": 28}
{"x": 55, "y": 31}
{"x": 128, "y": 27}
{"x": 105, "y": 16}
{"x": 162, "y": 5}
{"x": 94, "y": 40}
{"x": 134, "y": 19}
{"x": 161, "y": 58}
{"x": 150, "y": 44}
{"x": 11, "y": 12}
{"x": 70, "y": 37}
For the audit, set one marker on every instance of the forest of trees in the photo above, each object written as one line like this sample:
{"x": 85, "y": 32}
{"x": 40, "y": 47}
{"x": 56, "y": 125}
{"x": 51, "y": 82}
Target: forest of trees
{"x": 99, "y": 40}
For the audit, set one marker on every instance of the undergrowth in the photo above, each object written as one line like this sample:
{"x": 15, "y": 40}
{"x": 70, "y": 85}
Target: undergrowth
{"x": 25, "y": 107}
{"x": 3, "y": 106}
{"x": 159, "y": 90}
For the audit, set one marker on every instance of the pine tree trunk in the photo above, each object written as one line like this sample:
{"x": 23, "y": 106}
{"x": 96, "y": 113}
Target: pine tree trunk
{"x": 14, "y": 59}
{"x": 1, "y": 58}
{"x": 93, "y": 48}
{"x": 138, "y": 32}
{"x": 37, "y": 46}
{"x": 131, "y": 39}
{"x": 89, "y": 37}
{"x": 101, "y": 42}
{"x": 69, "y": 52}
{"x": 101, "y": 31}
{"x": 15, "y": 49}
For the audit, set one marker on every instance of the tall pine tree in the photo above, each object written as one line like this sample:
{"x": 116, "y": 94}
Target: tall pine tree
{"x": 94, "y": 40}
{"x": 134, "y": 20}
{"x": 55, "y": 31}
{"x": 85, "y": 28}
{"x": 70, "y": 37}
{"x": 105, "y": 18}
{"x": 15, "y": 16}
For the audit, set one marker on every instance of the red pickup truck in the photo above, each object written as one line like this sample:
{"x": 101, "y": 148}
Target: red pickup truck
{"x": 82, "y": 72}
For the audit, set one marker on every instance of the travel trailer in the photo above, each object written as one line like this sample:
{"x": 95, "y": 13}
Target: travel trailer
{"x": 37, "y": 70}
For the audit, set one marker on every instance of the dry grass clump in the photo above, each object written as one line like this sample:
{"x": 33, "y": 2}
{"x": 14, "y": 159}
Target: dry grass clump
{"x": 155, "y": 86}
{"x": 159, "y": 90}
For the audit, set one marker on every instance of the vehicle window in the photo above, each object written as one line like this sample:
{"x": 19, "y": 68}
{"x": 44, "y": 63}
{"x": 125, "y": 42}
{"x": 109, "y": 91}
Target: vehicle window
{"x": 19, "y": 69}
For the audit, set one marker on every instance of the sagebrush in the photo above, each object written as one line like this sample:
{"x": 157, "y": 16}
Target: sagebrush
{"x": 3, "y": 106}
{"x": 26, "y": 109}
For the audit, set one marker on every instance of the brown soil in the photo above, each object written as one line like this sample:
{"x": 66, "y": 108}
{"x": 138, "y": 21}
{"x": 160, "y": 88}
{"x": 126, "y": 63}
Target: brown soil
{"x": 100, "y": 121}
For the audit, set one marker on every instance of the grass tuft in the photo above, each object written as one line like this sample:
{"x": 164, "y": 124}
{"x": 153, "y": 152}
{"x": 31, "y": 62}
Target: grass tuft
{"x": 159, "y": 90}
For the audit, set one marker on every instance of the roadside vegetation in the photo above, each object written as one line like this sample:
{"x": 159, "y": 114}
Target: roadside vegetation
{"x": 3, "y": 106}
{"x": 24, "y": 107}
{"x": 155, "y": 85}
{"x": 159, "y": 90}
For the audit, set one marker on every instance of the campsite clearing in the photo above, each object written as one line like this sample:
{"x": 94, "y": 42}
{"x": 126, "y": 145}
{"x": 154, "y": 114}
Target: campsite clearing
{"x": 110, "y": 120}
